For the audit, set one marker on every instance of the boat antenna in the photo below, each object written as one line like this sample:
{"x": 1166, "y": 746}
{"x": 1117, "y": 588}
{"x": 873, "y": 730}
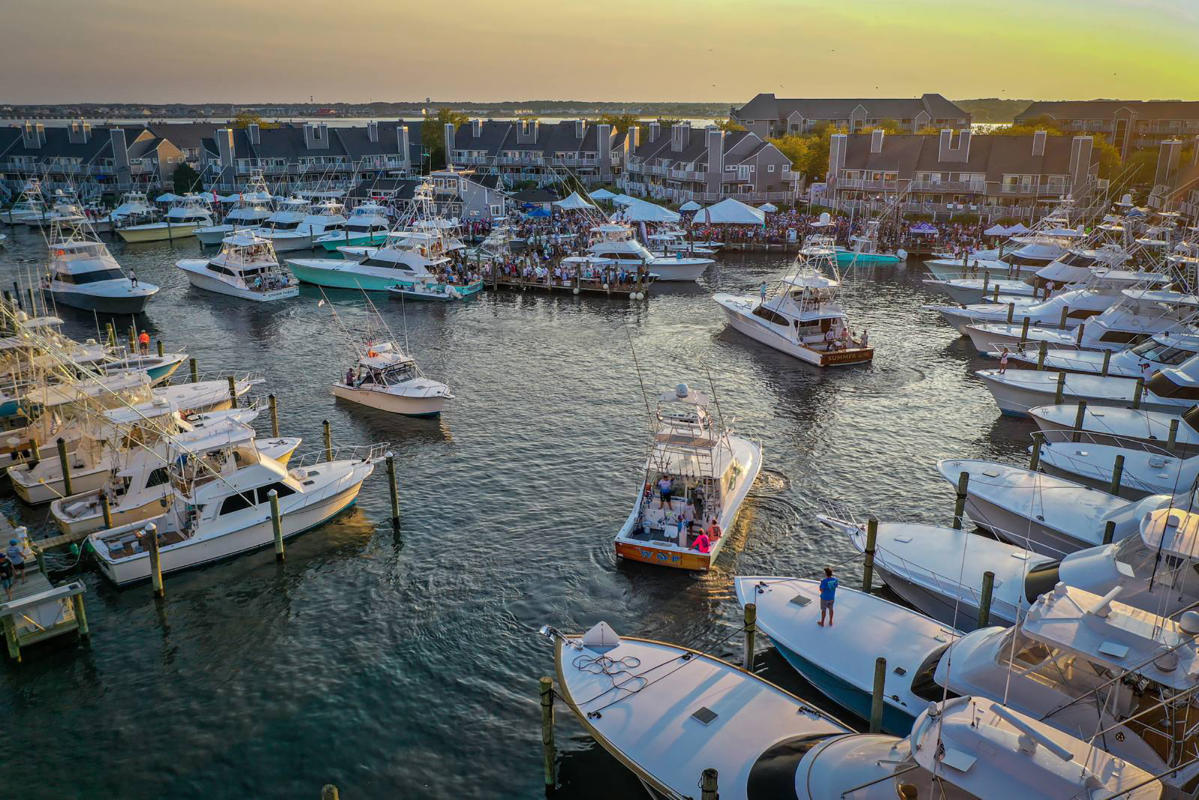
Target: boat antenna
{"x": 715, "y": 399}
{"x": 637, "y": 366}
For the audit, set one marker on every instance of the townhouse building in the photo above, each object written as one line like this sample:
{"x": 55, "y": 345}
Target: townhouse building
{"x": 1128, "y": 124}
{"x": 957, "y": 172}
{"x": 769, "y": 116}
{"x": 529, "y": 151}
{"x": 90, "y": 160}
{"x": 706, "y": 166}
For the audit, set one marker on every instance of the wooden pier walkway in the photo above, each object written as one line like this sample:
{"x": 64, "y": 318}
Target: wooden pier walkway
{"x": 573, "y": 287}
{"x": 38, "y": 609}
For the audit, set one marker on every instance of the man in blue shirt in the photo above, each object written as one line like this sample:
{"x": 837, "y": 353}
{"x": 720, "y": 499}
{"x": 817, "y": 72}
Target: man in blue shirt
{"x": 828, "y": 590}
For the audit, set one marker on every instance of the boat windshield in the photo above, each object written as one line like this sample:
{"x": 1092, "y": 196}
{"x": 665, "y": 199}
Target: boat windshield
{"x": 1153, "y": 350}
{"x": 91, "y": 277}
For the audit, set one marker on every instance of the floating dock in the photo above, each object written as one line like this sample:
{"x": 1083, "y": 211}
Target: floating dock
{"x": 38, "y": 609}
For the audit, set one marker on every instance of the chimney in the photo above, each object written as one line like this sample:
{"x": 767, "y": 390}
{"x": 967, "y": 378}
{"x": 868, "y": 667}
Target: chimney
{"x": 316, "y": 137}
{"x": 580, "y": 128}
{"x": 876, "y": 140}
{"x": 120, "y": 156}
{"x": 224, "y": 147}
{"x": 372, "y": 131}
{"x": 949, "y": 153}
{"x": 680, "y": 136}
{"x": 836, "y": 157}
{"x": 449, "y": 133}
{"x": 655, "y": 128}
{"x": 634, "y": 137}
{"x": 253, "y": 134}
{"x": 526, "y": 131}
{"x": 1080, "y": 165}
{"x": 476, "y": 128}
{"x": 402, "y": 144}
{"x": 1038, "y": 144}
{"x": 1168, "y": 156}
{"x": 79, "y": 132}
{"x": 33, "y": 136}
{"x": 1195, "y": 152}
{"x": 715, "y": 146}
{"x": 943, "y": 145}
{"x": 603, "y": 151}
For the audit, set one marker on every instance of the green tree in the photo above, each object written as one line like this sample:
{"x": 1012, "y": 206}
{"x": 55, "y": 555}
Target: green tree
{"x": 1141, "y": 166}
{"x": 185, "y": 179}
{"x": 432, "y": 134}
{"x": 885, "y": 125}
{"x": 245, "y": 119}
{"x": 1109, "y": 157}
{"x": 619, "y": 122}
{"x": 729, "y": 124}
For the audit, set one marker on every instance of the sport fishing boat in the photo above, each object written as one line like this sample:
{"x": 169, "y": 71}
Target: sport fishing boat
{"x": 65, "y": 212}
{"x": 133, "y": 209}
{"x": 1174, "y": 389}
{"x": 696, "y": 478}
{"x": 1142, "y": 471}
{"x": 415, "y": 257}
{"x": 387, "y": 378}
{"x": 939, "y": 570}
{"x": 366, "y": 226}
{"x": 1089, "y": 666}
{"x": 1160, "y": 351}
{"x": 31, "y": 203}
{"x": 246, "y": 268}
{"x": 802, "y": 317}
{"x": 1075, "y": 268}
{"x": 665, "y": 242}
{"x": 1028, "y": 252}
{"x": 1126, "y": 427}
{"x": 139, "y": 487}
{"x": 1137, "y": 316}
{"x": 864, "y": 249}
{"x": 84, "y": 275}
{"x": 185, "y": 216}
{"x": 706, "y": 717}
{"x": 1046, "y": 513}
{"x": 251, "y": 209}
{"x": 614, "y": 247}
{"x": 298, "y": 224}
{"x": 220, "y": 506}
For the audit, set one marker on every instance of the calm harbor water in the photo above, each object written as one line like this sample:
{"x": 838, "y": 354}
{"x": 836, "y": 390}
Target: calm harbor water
{"x": 405, "y": 663}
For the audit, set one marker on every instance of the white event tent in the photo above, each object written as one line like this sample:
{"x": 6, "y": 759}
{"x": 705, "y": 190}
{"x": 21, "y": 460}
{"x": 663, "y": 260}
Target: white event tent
{"x": 573, "y": 203}
{"x": 730, "y": 212}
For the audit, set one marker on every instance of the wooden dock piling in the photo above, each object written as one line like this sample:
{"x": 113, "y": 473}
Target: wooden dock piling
{"x": 274, "y": 405}
{"x": 1061, "y": 323}
{"x": 751, "y": 634}
{"x": 328, "y": 434}
{"x": 64, "y": 461}
{"x": 151, "y": 532}
{"x": 106, "y": 509}
{"x": 194, "y": 369}
{"x": 1173, "y": 439}
{"x": 709, "y": 785}
{"x": 1035, "y": 460}
{"x": 329, "y": 792}
{"x": 1041, "y": 351}
{"x": 232, "y": 392}
{"x": 1109, "y": 531}
{"x": 1079, "y": 416}
{"x": 1060, "y": 391}
{"x": 1011, "y": 310}
{"x": 548, "y": 753}
{"x": 1107, "y": 361}
{"x": 1138, "y": 392}
{"x": 959, "y": 507}
{"x": 162, "y": 351}
{"x": 984, "y": 603}
{"x": 876, "y": 696}
{"x": 868, "y": 566}
{"x": 392, "y": 488}
{"x": 1024, "y": 332}
{"x": 1117, "y": 475}
{"x": 276, "y": 524}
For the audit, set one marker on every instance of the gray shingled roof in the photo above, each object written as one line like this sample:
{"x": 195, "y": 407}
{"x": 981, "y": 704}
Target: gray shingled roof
{"x": 993, "y": 156}
{"x": 1106, "y": 109}
{"x": 769, "y": 107}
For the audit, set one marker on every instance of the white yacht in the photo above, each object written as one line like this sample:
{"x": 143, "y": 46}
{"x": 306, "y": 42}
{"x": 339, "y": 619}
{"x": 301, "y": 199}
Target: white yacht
{"x": 1173, "y": 389}
{"x": 1074, "y": 268}
{"x": 408, "y": 257}
{"x": 298, "y": 224}
{"x": 246, "y": 268}
{"x": 133, "y": 209}
{"x": 187, "y": 214}
{"x": 1030, "y": 251}
{"x": 698, "y": 473}
{"x": 219, "y": 506}
{"x": 252, "y": 207}
{"x": 614, "y": 247}
{"x": 1126, "y": 427}
{"x": 367, "y": 226}
{"x": 64, "y": 212}
{"x": 802, "y": 318}
{"x": 939, "y": 570}
{"x": 84, "y": 275}
{"x": 1089, "y": 666}
{"x": 387, "y": 378}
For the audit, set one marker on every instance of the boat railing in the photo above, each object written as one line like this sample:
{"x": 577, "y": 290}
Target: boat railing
{"x": 1161, "y": 460}
{"x": 374, "y": 453}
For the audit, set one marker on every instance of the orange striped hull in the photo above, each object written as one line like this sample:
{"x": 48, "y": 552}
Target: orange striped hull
{"x": 663, "y": 557}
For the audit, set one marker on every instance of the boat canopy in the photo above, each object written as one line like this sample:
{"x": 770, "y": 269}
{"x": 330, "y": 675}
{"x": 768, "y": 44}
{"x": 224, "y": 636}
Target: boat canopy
{"x": 1161, "y": 296}
{"x": 1173, "y": 531}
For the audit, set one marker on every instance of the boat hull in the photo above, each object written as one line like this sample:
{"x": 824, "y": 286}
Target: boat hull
{"x": 411, "y": 292}
{"x": 134, "y": 304}
{"x": 746, "y": 323}
{"x": 199, "y": 278}
{"x": 371, "y": 240}
{"x": 157, "y": 232}
{"x": 850, "y": 257}
{"x": 46, "y": 491}
{"x": 339, "y": 278}
{"x": 668, "y": 270}
{"x": 391, "y": 403}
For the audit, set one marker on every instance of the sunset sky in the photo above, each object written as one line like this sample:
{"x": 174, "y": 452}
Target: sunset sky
{"x": 686, "y": 50}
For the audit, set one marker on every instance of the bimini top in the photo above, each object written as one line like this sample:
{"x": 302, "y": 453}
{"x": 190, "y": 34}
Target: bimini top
{"x": 1172, "y": 530}
{"x": 1125, "y": 638}
{"x": 1161, "y": 296}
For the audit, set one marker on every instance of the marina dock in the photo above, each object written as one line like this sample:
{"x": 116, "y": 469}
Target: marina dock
{"x": 38, "y": 610}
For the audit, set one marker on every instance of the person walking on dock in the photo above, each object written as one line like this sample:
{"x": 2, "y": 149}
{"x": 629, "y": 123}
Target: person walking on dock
{"x": 143, "y": 341}
{"x": 6, "y": 572}
{"x": 828, "y": 592}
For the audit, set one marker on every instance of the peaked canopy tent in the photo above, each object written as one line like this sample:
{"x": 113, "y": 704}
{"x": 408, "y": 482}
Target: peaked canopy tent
{"x": 641, "y": 211}
{"x": 624, "y": 199}
{"x": 729, "y": 212}
{"x": 169, "y": 197}
{"x": 573, "y": 203}
{"x": 769, "y": 208}
{"x": 689, "y": 206}
{"x": 601, "y": 194}
{"x": 996, "y": 230}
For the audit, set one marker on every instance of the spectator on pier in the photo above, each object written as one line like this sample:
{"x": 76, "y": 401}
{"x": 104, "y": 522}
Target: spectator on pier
{"x": 17, "y": 558}
{"x": 143, "y": 341}
{"x": 828, "y": 593}
{"x": 6, "y": 573}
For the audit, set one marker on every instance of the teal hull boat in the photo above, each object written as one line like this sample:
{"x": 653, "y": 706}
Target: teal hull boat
{"x": 362, "y": 240}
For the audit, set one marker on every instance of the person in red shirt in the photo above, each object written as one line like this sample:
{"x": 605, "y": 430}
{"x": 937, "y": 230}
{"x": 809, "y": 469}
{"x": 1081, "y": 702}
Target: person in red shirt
{"x": 702, "y": 543}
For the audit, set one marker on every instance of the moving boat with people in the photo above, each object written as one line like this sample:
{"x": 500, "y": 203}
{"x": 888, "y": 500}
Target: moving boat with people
{"x": 246, "y": 268}
{"x": 185, "y": 216}
{"x": 697, "y": 476}
{"x": 802, "y": 318}
{"x": 84, "y": 275}
{"x": 864, "y": 250}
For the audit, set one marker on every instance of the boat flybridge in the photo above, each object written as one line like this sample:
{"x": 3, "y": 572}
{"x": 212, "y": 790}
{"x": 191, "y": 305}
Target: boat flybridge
{"x": 1139, "y": 314}
{"x": 219, "y": 505}
{"x": 246, "y": 268}
{"x": 803, "y": 317}
{"x": 1119, "y": 679}
{"x": 939, "y": 570}
{"x": 133, "y": 209}
{"x": 65, "y": 211}
{"x": 30, "y": 204}
{"x": 138, "y": 484}
{"x": 1073, "y": 268}
{"x": 252, "y": 207}
{"x": 613, "y": 246}
{"x": 183, "y": 218}
{"x": 83, "y": 274}
{"x": 367, "y": 226}
{"x": 298, "y": 223}
{"x": 697, "y": 476}
{"x": 671, "y": 714}
{"x": 1050, "y": 239}
{"x": 1160, "y": 351}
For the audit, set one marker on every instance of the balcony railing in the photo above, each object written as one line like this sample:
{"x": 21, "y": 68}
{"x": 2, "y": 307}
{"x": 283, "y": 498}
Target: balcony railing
{"x": 975, "y": 187}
